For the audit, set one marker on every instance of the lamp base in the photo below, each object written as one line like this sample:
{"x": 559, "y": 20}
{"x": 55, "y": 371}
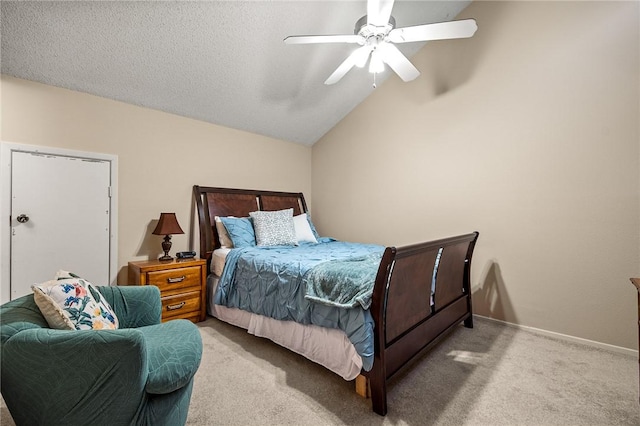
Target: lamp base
{"x": 166, "y": 246}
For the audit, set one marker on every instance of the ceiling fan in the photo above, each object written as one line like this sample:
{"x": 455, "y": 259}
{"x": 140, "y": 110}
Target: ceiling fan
{"x": 376, "y": 34}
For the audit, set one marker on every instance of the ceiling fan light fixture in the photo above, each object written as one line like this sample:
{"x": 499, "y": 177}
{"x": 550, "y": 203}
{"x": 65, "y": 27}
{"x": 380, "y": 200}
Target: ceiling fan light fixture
{"x": 362, "y": 56}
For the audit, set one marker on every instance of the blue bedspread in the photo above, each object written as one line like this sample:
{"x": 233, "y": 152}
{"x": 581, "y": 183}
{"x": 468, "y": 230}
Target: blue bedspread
{"x": 271, "y": 281}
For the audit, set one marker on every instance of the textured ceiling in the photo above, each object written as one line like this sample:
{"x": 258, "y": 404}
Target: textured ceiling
{"x": 223, "y": 62}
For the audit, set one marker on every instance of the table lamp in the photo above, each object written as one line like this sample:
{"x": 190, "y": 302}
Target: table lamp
{"x": 167, "y": 225}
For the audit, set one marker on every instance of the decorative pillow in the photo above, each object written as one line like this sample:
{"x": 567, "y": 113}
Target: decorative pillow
{"x": 223, "y": 235}
{"x": 72, "y": 303}
{"x": 240, "y": 231}
{"x": 274, "y": 228}
{"x": 313, "y": 228}
{"x": 61, "y": 274}
{"x": 303, "y": 229}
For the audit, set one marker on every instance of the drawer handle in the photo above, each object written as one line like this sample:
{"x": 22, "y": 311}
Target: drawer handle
{"x": 174, "y": 307}
{"x": 176, "y": 280}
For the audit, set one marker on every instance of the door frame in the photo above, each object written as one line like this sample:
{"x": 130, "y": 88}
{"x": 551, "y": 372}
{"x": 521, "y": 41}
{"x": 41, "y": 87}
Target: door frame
{"x": 6, "y": 151}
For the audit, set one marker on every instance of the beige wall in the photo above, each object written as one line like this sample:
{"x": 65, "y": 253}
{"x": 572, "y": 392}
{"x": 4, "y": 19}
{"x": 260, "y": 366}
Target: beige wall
{"x": 160, "y": 156}
{"x": 528, "y": 133}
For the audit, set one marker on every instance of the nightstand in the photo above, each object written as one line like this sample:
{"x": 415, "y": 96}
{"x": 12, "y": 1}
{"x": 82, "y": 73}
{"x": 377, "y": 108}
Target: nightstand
{"x": 182, "y": 284}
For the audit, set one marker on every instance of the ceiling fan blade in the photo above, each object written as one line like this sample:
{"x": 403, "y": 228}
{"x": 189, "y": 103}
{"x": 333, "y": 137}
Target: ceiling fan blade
{"x": 379, "y": 12}
{"x": 397, "y": 61}
{"x": 346, "y": 38}
{"x": 439, "y": 31}
{"x": 356, "y": 58}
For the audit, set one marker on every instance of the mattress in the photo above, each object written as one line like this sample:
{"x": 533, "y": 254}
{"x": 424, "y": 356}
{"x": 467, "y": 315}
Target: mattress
{"x": 328, "y": 347}
{"x": 217, "y": 260}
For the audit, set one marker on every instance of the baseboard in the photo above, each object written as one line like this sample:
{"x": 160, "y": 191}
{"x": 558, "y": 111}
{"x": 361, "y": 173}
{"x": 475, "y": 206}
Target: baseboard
{"x": 566, "y": 337}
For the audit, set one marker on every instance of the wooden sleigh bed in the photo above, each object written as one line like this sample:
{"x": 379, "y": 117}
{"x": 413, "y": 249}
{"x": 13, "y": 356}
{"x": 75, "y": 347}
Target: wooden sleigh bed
{"x": 409, "y": 315}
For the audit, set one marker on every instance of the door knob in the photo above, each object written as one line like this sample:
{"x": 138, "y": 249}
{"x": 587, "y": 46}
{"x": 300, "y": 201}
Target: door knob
{"x": 23, "y": 218}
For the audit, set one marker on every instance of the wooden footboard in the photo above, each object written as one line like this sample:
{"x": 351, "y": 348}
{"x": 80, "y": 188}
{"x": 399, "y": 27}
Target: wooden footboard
{"x": 408, "y": 317}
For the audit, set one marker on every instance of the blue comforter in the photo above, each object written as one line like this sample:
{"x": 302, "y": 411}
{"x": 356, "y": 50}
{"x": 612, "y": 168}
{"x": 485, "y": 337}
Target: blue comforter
{"x": 272, "y": 281}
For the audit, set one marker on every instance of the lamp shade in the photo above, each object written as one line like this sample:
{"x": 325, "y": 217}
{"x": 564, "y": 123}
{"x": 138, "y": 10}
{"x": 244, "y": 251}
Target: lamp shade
{"x": 168, "y": 225}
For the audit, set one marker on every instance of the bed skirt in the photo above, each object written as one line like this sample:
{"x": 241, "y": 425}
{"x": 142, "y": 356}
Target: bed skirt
{"x": 328, "y": 347}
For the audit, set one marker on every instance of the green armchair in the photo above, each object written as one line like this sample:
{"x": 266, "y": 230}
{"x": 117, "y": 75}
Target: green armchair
{"x": 139, "y": 374}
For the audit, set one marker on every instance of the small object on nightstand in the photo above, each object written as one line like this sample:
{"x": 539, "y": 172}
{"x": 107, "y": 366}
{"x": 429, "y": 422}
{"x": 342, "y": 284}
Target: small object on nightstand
{"x": 182, "y": 284}
{"x": 167, "y": 225}
{"x": 186, "y": 254}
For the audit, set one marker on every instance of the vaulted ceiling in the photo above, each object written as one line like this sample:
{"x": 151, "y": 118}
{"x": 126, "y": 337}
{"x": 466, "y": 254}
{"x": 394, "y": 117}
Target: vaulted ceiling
{"x": 222, "y": 62}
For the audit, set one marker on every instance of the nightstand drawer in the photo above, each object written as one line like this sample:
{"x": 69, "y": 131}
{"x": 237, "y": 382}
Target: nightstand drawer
{"x": 175, "y": 278}
{"x": 181, "y": 305}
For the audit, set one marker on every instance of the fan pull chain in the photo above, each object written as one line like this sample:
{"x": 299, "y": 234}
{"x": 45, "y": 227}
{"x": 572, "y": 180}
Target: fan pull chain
{"x": 374, "y": 80}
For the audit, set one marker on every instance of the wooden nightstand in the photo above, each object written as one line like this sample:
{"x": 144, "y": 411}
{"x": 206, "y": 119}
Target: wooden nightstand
{"x": 182, "y": 284}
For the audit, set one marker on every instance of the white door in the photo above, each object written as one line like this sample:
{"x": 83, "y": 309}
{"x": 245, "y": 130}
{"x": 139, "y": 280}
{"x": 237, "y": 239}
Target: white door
{"x": 60, "y": 209}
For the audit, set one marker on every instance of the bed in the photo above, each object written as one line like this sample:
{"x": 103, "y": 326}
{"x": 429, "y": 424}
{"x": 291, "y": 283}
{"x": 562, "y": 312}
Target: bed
{"x": 420, "y": 292}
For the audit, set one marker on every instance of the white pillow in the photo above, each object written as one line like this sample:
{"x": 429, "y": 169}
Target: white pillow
{"x": 72, "y": 303}
{"x": 223, "y": 234}
{"x": 274, "y": 228}
{"x": 303, "y": 229}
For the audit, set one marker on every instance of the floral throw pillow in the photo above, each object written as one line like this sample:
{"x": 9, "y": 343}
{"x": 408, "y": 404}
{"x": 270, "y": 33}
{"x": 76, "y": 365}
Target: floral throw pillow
{"x": 72, "y": 303}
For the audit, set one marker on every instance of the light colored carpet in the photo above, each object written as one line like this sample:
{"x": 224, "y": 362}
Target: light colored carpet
{"x": 490, "y": 375}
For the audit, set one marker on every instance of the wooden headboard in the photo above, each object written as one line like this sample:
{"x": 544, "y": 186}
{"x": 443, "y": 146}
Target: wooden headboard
{"x": 211, "y": 202}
